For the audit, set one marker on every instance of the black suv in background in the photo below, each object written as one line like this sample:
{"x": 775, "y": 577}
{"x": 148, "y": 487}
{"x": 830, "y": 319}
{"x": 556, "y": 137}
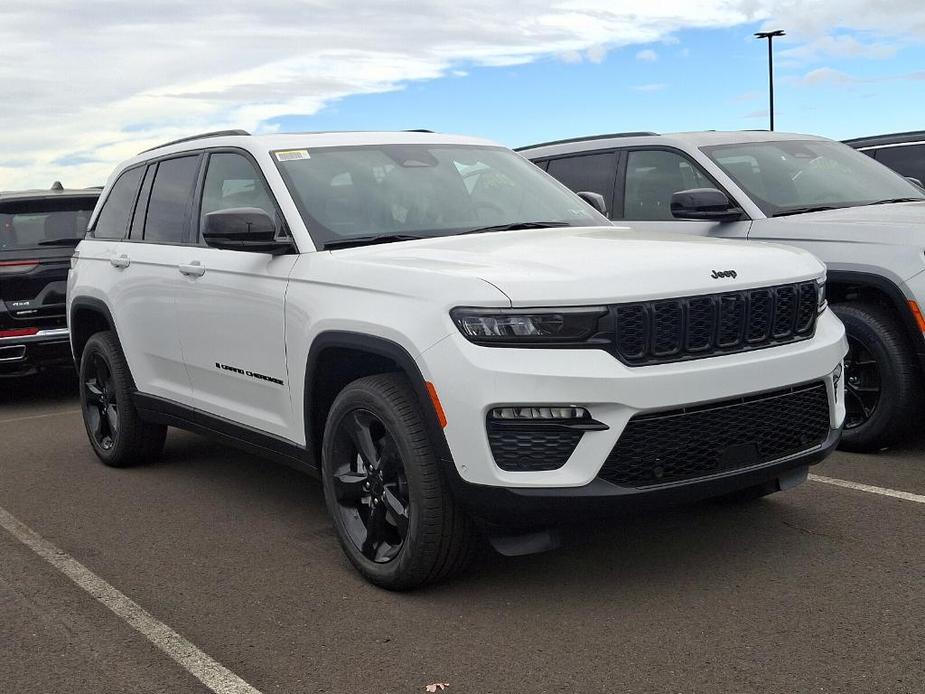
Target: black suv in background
{"x": 902, "y": 152}
{"x": 38, "y": 232}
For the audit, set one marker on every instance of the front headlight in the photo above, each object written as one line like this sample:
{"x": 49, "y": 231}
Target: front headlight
{"x": 519, "y": 327}
{"x": 821, "y": 304}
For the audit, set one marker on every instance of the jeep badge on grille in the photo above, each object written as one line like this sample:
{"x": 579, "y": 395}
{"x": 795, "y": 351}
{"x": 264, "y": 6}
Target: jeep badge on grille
{"x": 719, "y": 274}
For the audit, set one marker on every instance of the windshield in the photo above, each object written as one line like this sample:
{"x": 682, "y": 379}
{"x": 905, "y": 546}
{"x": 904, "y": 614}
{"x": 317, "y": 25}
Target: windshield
{"x": 37, "y": 223}
{"x": 423, "y": 190}
{"x": 787, "y": 176}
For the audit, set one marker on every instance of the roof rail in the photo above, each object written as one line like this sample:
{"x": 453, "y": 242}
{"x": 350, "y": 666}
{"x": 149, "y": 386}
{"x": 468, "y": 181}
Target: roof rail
{"x": 887, "y": 138}
{"x": 607, "y": 136}
{"x": 201, "y": 136}
{"x": 418, "y": 130}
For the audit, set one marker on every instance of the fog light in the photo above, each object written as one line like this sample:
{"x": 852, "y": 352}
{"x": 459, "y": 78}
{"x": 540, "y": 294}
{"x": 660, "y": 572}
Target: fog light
{"x": 555, "y": 412}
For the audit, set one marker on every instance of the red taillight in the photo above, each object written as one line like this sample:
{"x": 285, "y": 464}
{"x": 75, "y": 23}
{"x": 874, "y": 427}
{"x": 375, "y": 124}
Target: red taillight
{"x": 12, "y": 267}
{"x": 19, "y": 332}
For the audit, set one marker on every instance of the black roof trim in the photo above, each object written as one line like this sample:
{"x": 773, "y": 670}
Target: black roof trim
{"x": 888, "y": 139}
{"x": 641, "y": 133}
{"x": 201, "y": 136}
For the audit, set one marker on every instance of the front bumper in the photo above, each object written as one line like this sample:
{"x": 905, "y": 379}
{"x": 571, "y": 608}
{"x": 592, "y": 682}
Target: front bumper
{"x": 471, "y": 380}
{"x": 517, "y": 508}
{"x": 20, "y": 356}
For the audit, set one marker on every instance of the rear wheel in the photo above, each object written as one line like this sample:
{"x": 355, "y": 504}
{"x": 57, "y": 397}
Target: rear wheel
{"x": 117, "y": 434}
{"x": 387, "y": 497}
{"x": 881, "y": 378}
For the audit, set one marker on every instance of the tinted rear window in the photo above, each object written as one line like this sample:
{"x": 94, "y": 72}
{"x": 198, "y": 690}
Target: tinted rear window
{"x": 908, "y": 160}
{"x": 113, "y": 218}
{"x": 167, "y": 220}
{"x": 41, "y": 223}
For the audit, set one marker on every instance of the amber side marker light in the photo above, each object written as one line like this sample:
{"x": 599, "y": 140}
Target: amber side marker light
{"x": 919, "y": 318}
{"x": 438, "y": 408}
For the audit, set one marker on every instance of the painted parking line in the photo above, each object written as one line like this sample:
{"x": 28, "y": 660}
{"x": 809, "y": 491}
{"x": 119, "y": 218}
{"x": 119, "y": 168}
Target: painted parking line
{"x": 883, "y": 491}
{"x": 39, "y": 416}
{"x": 210, "y": 672}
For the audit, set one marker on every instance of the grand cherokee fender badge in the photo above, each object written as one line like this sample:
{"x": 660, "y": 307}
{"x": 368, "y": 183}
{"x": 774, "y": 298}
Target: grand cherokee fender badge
{"x": 252, "y": 374}
{"x": 719, "y": 274}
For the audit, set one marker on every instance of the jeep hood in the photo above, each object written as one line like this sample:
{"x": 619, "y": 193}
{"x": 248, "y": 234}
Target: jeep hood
{"x": 893, "y": 224}
{"x": 581, "y": 265}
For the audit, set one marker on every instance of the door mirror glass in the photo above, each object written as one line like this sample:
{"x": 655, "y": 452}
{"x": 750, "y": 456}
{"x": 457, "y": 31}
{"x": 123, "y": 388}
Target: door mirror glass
{"x": 243, "y": 229}
{"x": 596, "y": 200}
{"x": 704, "y": 204}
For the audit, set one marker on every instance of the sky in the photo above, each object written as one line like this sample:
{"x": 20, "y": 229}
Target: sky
{"x": 85, "y": 84}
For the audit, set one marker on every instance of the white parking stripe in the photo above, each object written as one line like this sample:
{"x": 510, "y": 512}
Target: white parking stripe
{"x": 39, "y": 416}
{"x": 907, "y": 496}
{"x": 210, "y": 672}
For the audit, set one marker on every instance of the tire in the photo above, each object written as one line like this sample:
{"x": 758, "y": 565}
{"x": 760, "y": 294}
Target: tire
{"x": 404, "y": 491}
{"x": 118, "y": 435}
{"x": 879, "y": 357}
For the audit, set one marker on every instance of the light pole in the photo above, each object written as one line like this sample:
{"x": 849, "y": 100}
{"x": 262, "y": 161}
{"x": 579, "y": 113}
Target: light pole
{"x": 769, "y": 35}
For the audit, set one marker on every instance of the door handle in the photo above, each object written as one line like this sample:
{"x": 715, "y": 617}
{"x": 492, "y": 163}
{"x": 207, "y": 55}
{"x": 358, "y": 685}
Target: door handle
{"x": 120, "y": 262}
{"x": 193, "y": 269}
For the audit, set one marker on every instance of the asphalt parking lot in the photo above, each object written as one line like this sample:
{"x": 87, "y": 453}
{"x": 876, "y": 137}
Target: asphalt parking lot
{"x": 820, "y": 589}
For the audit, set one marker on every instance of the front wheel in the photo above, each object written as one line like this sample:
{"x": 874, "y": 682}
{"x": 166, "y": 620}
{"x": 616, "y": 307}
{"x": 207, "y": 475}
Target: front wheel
{"x": 393, "y": 513}
{"x": 881, "y": 378}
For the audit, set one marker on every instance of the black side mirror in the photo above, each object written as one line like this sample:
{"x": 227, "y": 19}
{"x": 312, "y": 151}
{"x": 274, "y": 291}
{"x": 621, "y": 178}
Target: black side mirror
{"x": 704, "y": 204}
{"x": 243, "y": 229}
{"x": 914, "y": 181}
{"x": 596, "y": 200}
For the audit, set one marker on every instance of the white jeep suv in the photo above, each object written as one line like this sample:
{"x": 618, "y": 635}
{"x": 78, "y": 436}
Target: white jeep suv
{"x": 866, "y": 222}
{"x": 452, "y": 340}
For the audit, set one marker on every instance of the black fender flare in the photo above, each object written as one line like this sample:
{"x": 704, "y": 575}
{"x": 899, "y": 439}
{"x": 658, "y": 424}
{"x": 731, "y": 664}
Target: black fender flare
{"x": 895, "y": 295}
{"x": 391, "y": 350}
{"x": 92, "y": 304}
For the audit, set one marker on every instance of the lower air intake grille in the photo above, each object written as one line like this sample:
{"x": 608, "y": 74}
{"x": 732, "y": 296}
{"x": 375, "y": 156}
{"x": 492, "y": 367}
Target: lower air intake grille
{"x": 531, "y": 448}
{"x": 696, "y": 442}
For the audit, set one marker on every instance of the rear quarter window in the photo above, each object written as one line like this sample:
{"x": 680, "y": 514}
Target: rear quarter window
{"x": 112, "y": 221}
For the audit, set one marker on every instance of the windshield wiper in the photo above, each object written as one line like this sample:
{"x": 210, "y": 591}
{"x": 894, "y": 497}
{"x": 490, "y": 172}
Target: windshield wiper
{"x": 61, "y": 242}
{"x": 804, "y": 210}
{"x": 890, "y": 201}
{"x": 513, "y": 226}
{"x": 369, "y": 240}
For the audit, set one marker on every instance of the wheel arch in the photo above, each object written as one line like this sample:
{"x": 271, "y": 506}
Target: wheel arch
{"x": 337, "y": 358}
{"x": 88, "y": 316}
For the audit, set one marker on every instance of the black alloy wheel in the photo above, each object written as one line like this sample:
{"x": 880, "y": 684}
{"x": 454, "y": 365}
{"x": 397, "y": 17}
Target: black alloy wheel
{"x": 862, "y": 384}
{"x": 371, "y": 488}
{"x": 117, "y": 433}
{"x": 101, "y": 403}
{"x": 386, "y": 490}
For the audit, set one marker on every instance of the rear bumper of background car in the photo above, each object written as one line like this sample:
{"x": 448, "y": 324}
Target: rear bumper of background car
{"x": 24, "y": 355}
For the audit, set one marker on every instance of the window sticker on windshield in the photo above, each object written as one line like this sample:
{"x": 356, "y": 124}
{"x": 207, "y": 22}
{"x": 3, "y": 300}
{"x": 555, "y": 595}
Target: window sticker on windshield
{"x": 292, "y": 154}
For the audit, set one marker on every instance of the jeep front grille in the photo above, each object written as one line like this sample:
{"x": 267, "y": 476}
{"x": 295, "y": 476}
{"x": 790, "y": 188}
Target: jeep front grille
{"x": 658, "y": 332}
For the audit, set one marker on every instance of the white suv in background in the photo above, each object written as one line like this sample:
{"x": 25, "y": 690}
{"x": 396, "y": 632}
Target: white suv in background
{"x": 455, "y": 342}
{"x": 866, "y": 222}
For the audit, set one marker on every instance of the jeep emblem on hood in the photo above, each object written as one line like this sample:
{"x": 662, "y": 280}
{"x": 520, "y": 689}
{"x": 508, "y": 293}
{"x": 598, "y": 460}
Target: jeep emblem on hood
{"x": 718, "y": 274}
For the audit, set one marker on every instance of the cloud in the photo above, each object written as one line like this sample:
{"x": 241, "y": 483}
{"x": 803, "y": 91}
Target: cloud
{"x": 826, "y": 75}
{"x": 655, "y": 87}
{"x": 86, "y": 84}
{"x": 105, "y": 80}
{"x": 840, "y": 46}
{"x": 647, "y": 55}
{"x": 831, "y": 76}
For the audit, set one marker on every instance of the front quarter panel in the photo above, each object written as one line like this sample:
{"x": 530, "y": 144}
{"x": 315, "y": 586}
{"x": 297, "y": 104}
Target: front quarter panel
{"x": 327, "y": 292}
